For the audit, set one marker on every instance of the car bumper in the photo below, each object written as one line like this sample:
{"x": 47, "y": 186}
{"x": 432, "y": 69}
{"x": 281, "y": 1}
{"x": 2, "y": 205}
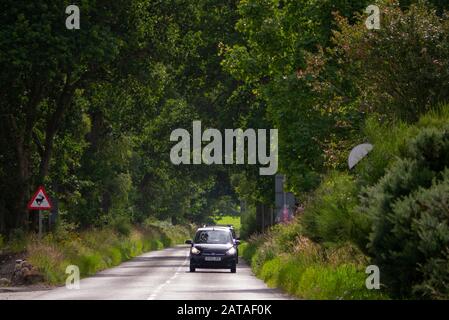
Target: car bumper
{"x": 199, "y": 261}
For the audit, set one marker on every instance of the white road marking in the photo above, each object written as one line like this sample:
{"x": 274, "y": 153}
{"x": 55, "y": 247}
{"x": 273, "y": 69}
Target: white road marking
{"x": 159, "y": 288}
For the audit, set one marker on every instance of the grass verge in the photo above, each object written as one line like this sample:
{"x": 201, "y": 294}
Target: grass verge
{"x": 98, "y": 249}
{"x": 310, "y": 271}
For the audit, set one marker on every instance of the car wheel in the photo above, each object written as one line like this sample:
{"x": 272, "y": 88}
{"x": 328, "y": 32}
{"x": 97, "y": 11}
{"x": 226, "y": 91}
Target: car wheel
{"x": 233, "y": 269}
{"x": 192, "y": 269}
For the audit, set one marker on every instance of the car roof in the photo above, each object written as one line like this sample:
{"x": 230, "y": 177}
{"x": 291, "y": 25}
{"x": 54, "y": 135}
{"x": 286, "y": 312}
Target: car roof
{"x": 227, "y": 226}
{"x": 212, "y": 228}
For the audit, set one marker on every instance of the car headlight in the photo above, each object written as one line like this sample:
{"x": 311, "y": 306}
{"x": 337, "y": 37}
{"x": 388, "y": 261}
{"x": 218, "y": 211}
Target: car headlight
{"x": 231, "y": 251}
{"x": 195, "y": 251}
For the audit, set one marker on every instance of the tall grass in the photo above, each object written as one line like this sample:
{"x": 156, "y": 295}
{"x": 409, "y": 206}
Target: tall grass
{"x": 308, "y": 270}
{"x": 389, "y": 139}
{"x": 95, "y": 250}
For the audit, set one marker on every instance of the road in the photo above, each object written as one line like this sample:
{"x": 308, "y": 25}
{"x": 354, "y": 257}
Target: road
{"x": 160, "y": 275}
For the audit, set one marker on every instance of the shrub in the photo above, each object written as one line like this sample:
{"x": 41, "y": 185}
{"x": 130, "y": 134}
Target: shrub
{"x": 247, "y": 250}
{"x": 248, "y": 223}
{"x": 331, "y": 215}
{"x": 121, "y": 224}
{"x": 90, "y": 263}
{"x": 402, "y": 70}
{"x": 431, "y": 149}
{"x": 390, "y": 140}
{"x": 115, "y": 256}
{"x": 429, "y": 215}
{"x": 437, "y": 118}
{"x": 408, "y": 208}
{"x": 64, "y": 231}
{"x": 270, "y": 271}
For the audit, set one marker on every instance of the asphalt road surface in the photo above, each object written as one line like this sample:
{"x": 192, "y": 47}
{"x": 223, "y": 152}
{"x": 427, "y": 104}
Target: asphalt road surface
{"x": 159, "y": 275}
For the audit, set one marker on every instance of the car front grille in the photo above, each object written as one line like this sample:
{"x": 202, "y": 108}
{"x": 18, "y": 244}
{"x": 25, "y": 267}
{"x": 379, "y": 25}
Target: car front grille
{"x": 214, "y": 253}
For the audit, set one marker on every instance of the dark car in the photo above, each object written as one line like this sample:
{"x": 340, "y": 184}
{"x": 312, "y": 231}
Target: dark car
{"x": 215, "y": 248}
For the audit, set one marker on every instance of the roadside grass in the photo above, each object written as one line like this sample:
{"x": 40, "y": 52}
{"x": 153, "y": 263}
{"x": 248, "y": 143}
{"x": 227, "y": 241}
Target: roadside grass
{"x": 309, "y": 270}
{"x": 98, "y": 249}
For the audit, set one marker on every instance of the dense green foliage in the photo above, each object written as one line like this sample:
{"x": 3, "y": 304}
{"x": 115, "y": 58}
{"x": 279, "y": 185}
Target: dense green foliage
{"x": 382, "y": 86}
{"x": 312, "y": 129}
{"x": 410, "y": 229}
{"x": 399, "y": 222}
{"x": 402, "y": 69}
{"x": 89, "y": 112}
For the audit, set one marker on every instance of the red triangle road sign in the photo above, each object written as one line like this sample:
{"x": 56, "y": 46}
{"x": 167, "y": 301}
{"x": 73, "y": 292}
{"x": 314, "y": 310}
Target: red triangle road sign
{"x": 40, "y": 200}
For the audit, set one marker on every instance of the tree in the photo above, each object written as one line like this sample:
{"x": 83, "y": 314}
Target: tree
{"x": 401, "y": 70}
{"x": 282, "y": 41}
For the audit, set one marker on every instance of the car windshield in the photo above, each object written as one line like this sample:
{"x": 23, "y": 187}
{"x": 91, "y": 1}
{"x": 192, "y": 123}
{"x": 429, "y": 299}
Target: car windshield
{"x": 213, "y": 237}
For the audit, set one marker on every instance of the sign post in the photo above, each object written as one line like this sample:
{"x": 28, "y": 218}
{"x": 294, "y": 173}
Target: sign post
{"x": 40, "y": 201}
{"x": 40, "y": 224}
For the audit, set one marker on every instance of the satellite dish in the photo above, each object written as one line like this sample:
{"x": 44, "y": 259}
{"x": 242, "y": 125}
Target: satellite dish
{"x": 358, "y": 153}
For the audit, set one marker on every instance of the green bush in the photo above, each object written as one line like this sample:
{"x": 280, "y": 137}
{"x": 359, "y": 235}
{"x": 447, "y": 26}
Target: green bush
{"x": 115, "y": 256}
{"x": 401, "y": 70}
{"x": 270, "y": 272}
{"x": 122, "y": 225}
{"x": 89, "y": 264}
{"x": 430, "y": 148}
{"x": 408, "y": 210}
{"x": 331, "y": 215}
{"x": 437, "y": 118}
{"x": 248, "y": 223}
{"x": 247, "y": 250}
{"x": 64, "y": 231}
{"x": 427, "y": 210}
{"x": 388, "y": 139}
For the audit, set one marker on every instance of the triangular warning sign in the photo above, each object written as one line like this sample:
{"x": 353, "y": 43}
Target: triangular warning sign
{"x": 40, "y": 200}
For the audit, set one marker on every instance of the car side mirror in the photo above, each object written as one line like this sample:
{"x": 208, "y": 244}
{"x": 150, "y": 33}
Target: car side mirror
{"x": 188, "y": 242}
{"x": 237, "y": 242}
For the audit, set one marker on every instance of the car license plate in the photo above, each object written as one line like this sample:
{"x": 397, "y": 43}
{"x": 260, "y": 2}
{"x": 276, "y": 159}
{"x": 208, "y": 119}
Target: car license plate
{"x": 212, "y": 258}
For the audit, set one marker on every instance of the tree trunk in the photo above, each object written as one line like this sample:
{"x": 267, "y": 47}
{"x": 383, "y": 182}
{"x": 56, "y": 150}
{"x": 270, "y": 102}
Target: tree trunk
{"x": 22, "y": 146}
{"x": 62, "y": 104}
